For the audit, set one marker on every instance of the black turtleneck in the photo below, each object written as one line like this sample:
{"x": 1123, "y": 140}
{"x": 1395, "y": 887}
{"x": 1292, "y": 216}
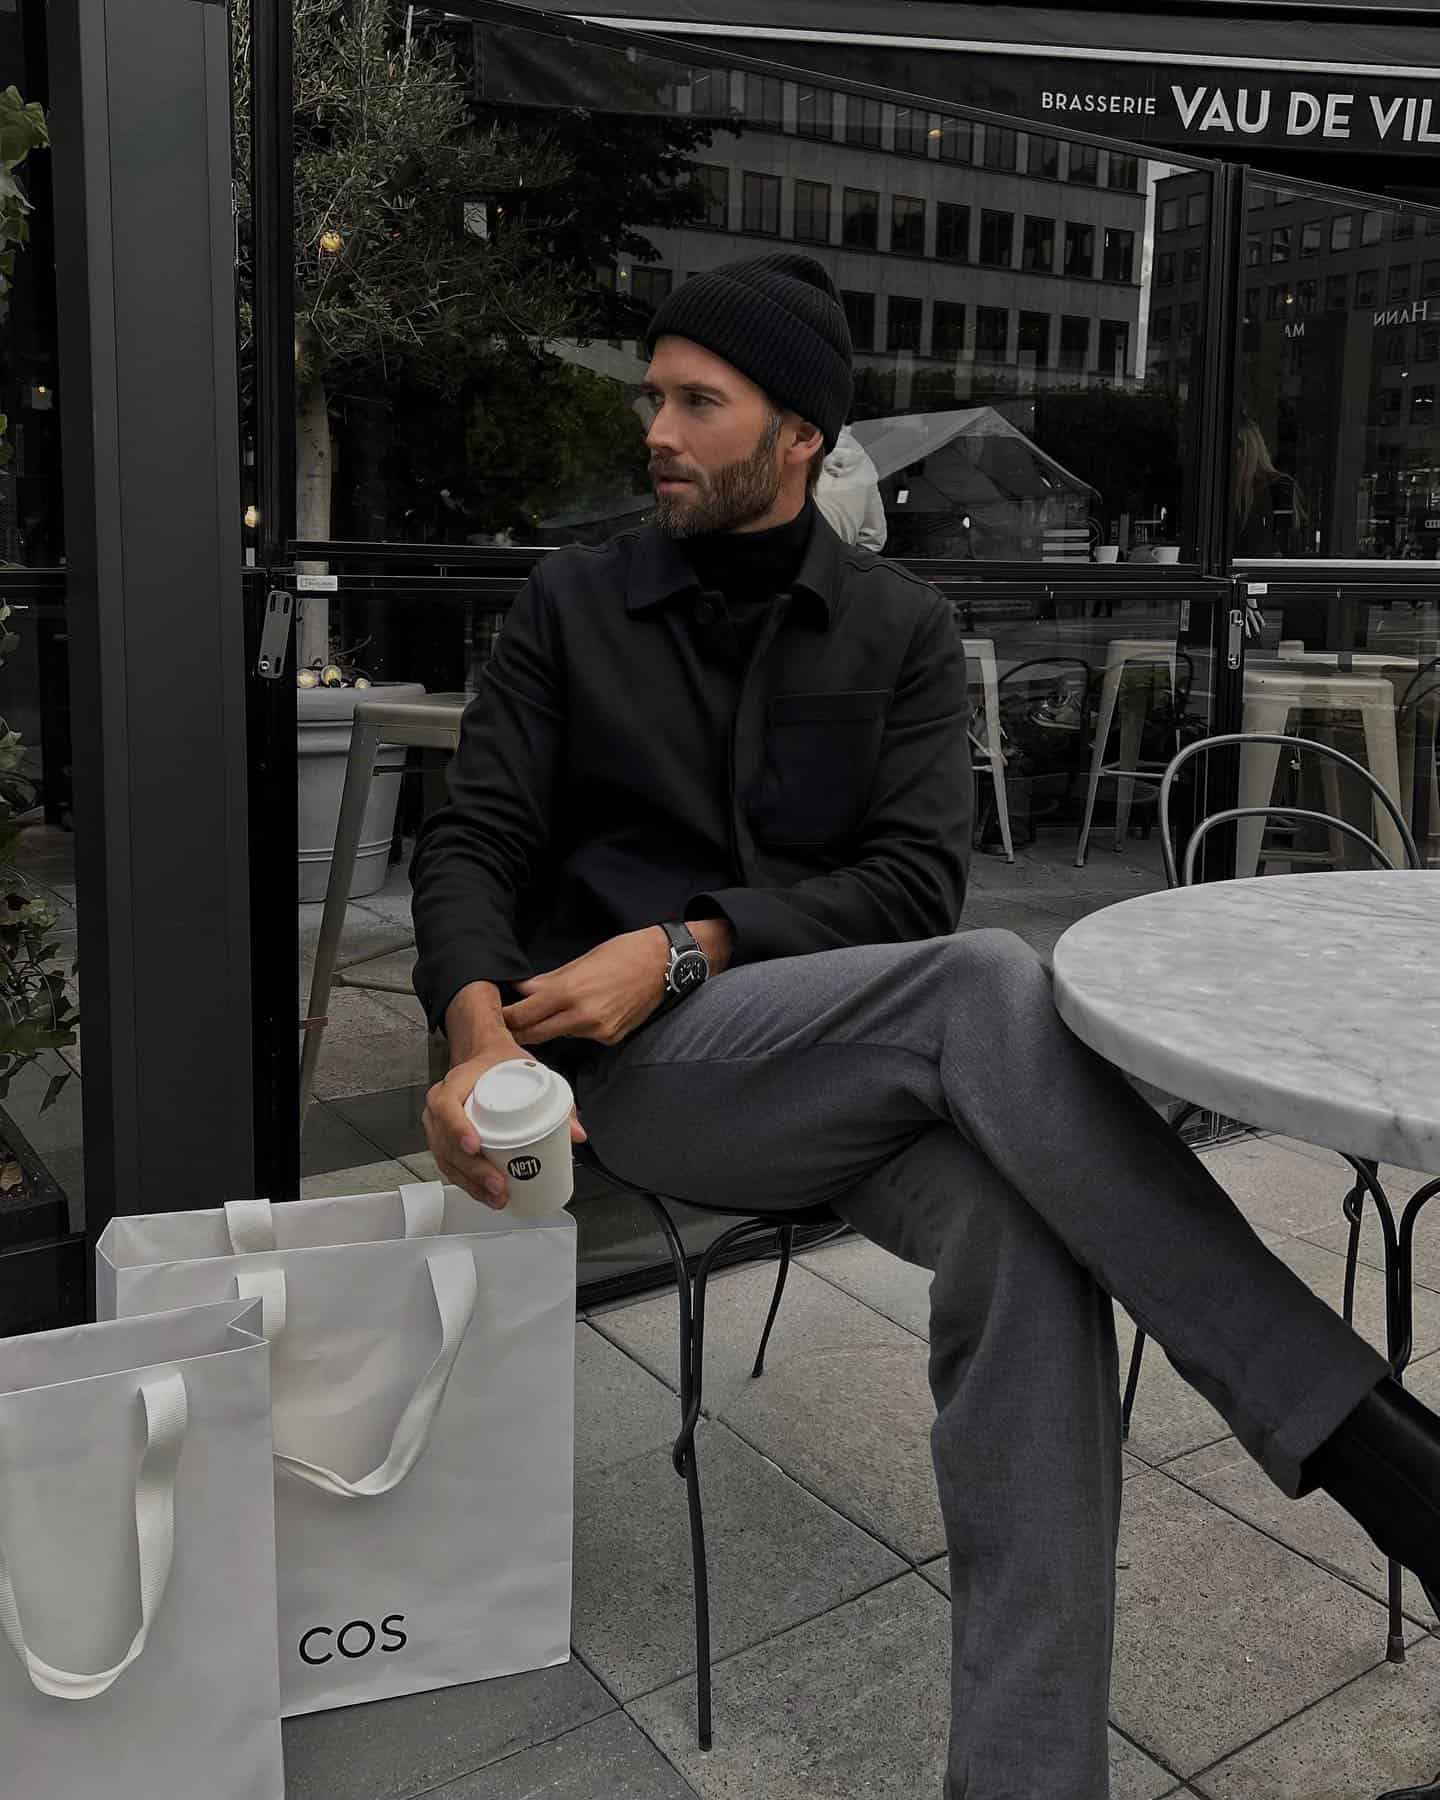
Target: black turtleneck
{"x": 748, "y": 569}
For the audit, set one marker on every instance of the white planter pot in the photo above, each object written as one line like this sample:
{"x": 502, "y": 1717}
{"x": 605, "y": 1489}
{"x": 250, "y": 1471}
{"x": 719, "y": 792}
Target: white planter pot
{"x": 325, "y": 716}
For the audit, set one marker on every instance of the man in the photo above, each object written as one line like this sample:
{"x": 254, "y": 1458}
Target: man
{"x": 728, "y": 732}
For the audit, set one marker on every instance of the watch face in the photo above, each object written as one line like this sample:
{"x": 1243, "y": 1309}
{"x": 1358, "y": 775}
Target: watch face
{"x": 689, "y": 970}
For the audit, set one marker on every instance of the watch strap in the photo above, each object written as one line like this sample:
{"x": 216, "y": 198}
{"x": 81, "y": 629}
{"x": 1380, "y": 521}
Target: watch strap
{"x": 681, "y": 937}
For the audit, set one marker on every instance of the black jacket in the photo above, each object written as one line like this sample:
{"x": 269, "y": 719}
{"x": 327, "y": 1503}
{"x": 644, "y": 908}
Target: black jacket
{"x": 616, "y": 769}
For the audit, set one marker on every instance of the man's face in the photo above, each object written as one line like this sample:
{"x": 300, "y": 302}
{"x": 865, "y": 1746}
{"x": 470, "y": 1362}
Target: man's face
{"x": 716, "y": 460}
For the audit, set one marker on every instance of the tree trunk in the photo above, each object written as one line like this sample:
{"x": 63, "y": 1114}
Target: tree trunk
{"x": 314, "y": 467}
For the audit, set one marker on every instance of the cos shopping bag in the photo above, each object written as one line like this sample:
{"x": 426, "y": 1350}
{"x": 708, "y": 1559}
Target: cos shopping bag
{"x": 137, "y": 1561}
{"x": 422, "y": 1381}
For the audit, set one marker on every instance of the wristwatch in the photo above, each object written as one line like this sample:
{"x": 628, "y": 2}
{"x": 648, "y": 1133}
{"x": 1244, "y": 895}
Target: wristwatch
{"x": 689, "y": 965}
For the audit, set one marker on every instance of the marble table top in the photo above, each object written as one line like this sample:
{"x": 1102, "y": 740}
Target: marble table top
{"x": 1306, "y": 1004}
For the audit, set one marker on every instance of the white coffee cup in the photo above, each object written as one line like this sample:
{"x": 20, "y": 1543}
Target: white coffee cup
{"x": 521, "y": 1111}
{"x": 1167, "y": 553}
{"x": 1107, "y": 553}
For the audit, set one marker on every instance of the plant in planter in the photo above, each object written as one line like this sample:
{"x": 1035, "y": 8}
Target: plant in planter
{"x": 37, "y": 1011}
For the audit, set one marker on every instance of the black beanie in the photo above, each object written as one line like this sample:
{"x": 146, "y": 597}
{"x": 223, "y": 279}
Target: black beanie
{"x": 777, "y": 319}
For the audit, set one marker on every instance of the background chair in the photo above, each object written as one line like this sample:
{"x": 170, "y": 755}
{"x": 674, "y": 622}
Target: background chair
{"x": 692, "y": 1277}
{"x": 1398, "y": 1238}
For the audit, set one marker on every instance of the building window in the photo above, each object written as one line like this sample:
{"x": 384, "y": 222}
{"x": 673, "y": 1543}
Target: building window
{"x": 862, "y": 122}
{"x": 1390, "y": 399}
{"x": 815, "y": 112}
{"x": 992, "y": 332}
{"x": 1252, "y": 305}
{"x": 1043, "y": 157}
{"x": 1422, "y": 405}
{"x": 1277, "y": 301}
{"x": 1430, "y": 279}
{"x": 999, "y": 147}
{"x": 1307, "y": 297}
{"x": 1165, "y": 268}
{"x": 710, "y": 91}
{"x": 1114, "y": 348}
{"x": 1169, "y": 215}
{"x": 1034, "y": 340}
{"x": 1160, "y": 325}
{"x": 764, "y": 101}
{"x": 1118, "y": 256}
{"x": 948, "y": 331}
{"x": 1395, "y": 347}
{"x": 1427, "y": 344}
{"x": 1255, "y": 198}
{"x": 1189, "y": 319}
{"x": 1037, "y": 249}
{"x": 1125, "y": 172}
{"x": 714, "y": 185}
{"x": 907, "y": 226}
{"x": 1367, "y": 287}
{"x": 862, "y": 219}
{"x": 1192, "y": 264}
{"x": 1280, "y": 244}
{"x": 1337, "y": 293}
{"x": 1372, "y": 227}
{"x": 1197, "y": 208}
{"x": 952, "y": 232}
{"x": 760, "y": 195}
{"x": 1084, "y": 165}
{"x": 1342, "y": 230}
{"x": 1074, "y": 341}
{"x": 1254, "y": 251}
{"x": 860, "y": 317}
{"x": 648, "y": 287}
{"x": 912, "y": 130}
{"x": 812, "y": 212}
{"x": 1398, "y": 286}
{"x": 903, "y": 322}
{"x": 1079, "y": 249}
{"x": 1403, "y": 227}
{"x": 997, "y": 238}
{"x": 957, "y": 140}
{"x": 1310, "y": 234}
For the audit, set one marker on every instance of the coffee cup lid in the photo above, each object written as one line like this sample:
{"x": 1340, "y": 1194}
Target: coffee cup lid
{"x": 518, "y": 1102}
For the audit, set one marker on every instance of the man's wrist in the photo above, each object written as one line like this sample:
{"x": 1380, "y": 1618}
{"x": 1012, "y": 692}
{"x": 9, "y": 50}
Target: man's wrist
{"x": 475, "y": 1026}
{"x": 716, "y": 937}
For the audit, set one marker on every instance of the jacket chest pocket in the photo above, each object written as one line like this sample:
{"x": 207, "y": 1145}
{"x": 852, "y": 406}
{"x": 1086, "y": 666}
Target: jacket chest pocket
{"x": 820, "y": 755}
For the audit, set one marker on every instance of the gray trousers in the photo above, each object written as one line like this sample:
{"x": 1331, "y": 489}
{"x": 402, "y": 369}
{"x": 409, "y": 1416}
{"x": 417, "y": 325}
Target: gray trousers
{"x": 931, "y": 1094}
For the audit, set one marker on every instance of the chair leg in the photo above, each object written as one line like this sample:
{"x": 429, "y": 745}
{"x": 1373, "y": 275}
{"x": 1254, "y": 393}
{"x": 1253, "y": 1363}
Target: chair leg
{"x": 1132, "y": 1382}
{"x": 786, "y": 1237}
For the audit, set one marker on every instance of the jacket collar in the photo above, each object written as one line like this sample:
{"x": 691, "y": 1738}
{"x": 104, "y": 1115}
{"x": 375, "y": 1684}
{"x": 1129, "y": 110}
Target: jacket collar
{"x": 660, "y": 570}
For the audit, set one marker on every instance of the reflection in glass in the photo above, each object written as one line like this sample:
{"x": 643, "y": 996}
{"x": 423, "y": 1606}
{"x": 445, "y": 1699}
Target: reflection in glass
{"x": 1340, "y": 455}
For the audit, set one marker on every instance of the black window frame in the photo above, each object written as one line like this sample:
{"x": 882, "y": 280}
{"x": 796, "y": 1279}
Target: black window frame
{"x": 950, "y": 214}
{"x": 914, "y": 323}
{"x": 848, "y": 239}
{"x": 998, "y": 223}
{"x": 1027, "y": 260}
{"x": 772, "y": 186}
{"x": 916, "y": 212}
{"x": 805, "y": 188}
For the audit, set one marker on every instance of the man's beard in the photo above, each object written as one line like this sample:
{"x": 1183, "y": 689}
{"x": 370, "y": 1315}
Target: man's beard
{"x": 725, "y": 500}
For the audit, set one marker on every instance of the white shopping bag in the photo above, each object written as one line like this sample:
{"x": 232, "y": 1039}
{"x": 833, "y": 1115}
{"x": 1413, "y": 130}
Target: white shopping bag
{"x": 137, "y": 1561}
{"x": 423, "y": 1389}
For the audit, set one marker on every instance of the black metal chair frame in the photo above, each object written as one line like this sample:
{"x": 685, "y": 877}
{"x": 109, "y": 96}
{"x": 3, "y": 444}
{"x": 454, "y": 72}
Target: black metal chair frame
{"x": 691, "y": 1288}
{"x": 1397, "y": 1236}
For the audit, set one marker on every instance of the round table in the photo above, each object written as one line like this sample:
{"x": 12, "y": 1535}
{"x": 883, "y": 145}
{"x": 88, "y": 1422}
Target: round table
{"x": 1306, "y": 1004}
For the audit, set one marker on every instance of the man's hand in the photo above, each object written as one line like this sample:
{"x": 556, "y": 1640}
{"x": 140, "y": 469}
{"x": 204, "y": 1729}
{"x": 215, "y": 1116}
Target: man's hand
{"x": 604, "y": 995}
{"x": 478, "y": 1041}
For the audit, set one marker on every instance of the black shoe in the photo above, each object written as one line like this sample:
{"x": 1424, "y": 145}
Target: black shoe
{"x": 1427, "y": 1792}
{"x": 1383, "y": 1466}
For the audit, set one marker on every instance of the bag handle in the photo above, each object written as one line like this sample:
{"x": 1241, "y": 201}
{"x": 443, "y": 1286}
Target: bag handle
{"x": 456, "y": 1291}
{"x": 251, "y": 1223}
{"x": 166, "y": 1416}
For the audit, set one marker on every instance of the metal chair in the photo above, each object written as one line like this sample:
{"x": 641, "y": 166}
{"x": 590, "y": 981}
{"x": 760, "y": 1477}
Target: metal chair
{"x": 1398, "y": 1238}
{"x": 691, "y": 1287}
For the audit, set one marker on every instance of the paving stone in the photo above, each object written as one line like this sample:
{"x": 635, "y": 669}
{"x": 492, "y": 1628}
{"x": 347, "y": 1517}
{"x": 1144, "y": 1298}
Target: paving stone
{"x": 844, "y": 1404}
{"x": 369, "y": 1178}
{"x": 1221, "y": 1631}
{"x": 1277, "y": 1188}
{"x": 776, "y": 1556}
{"x": 1133, "y": 1774}
{"x": 898, "y": 1289}
{"x": 1170, "y": 1418}
{"x": 610, "y": 1758}
{"x": 393, "y": 1749}
{"x": 1324, "y": 1272}
{"x": 1399, "y": 1184}
{"x": 620, "y": 1408}
{"x": 1380, "y": 1733}
{"x": 1315, "y": 1526}
{"x": 356, "y": 1062}
{"x": 856, "y": 1703}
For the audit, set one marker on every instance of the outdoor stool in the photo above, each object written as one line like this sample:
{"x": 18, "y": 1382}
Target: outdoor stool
{"x": 428, "y": 723}
{"x": 1271, "y": 696}
{"x": 981, "y": 651}
{"x": 1133, "y": 703}
{"x": 691, "y": 1290}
